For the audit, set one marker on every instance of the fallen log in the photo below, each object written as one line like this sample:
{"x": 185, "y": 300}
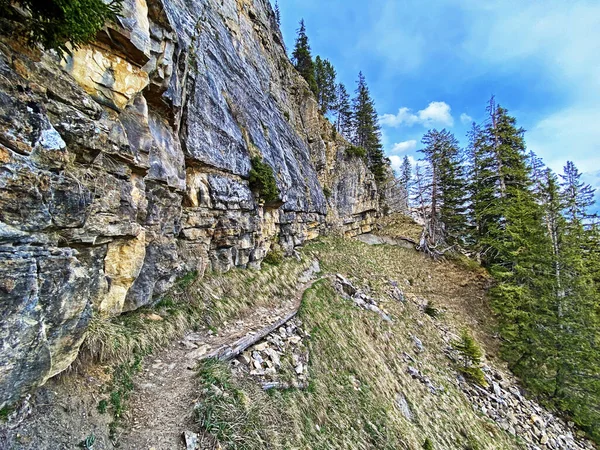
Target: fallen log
{"x": 228, "y": 352}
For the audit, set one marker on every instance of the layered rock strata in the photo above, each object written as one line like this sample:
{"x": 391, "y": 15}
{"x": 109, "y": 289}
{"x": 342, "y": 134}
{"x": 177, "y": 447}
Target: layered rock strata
{"x": 126, "y": 165}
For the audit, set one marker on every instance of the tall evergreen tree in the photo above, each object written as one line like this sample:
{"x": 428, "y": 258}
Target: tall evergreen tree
{"x": 532, "y": 235}
{"x": 277, "y": 13}
{"x": 571, "y": 372}
{"x": 538, "y": 171}
{"x": 343, "y": 112}
{"x": 405, "y": 174}
{"x": 448, "y": 219}
{"x": 326, "y": 87}
{"x": 302, "y": 58}
{"x": 421, "y": 191}
{"x": 404, "y": 178}
{"x": 499, "y": 171}
{"x": 578, "y": 196}
{"x": 367, "y": 132}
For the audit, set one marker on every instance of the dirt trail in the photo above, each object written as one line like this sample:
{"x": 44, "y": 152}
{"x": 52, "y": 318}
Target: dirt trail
{"x": 64, "y": 412}
{"x": 161, "y": 408}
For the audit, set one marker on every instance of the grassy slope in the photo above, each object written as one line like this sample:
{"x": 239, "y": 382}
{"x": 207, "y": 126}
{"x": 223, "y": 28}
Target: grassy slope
{"x": 357, "y": 368}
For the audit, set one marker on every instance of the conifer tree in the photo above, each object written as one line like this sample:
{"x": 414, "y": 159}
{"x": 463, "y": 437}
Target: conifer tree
{"x": 448, "y": 186}
{"x": 421, "y": 192}
{"x": 571, "y": 372}
{"x": 367, "y": 132}
{"x": 302, "y": 58}
{"x": 578, "y": 196}
{"x": 470, "y": 353}
{"x": 405, "y": 175}
{"x": 343, "y": 111}
{"x": 326, "y": 87}
{"x": 538, "y": 171}
{"x": 531, "y": 234}
{"x": 277, "y": 13}
{"x": 499, "y": 172}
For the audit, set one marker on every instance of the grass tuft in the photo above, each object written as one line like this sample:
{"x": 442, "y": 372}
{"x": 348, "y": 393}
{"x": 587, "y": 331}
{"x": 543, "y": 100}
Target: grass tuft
{"x": 236, "y": 412}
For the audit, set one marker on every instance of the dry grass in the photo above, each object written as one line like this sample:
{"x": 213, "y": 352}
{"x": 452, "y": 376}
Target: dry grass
{"x": 357, "y": 364}
{"x": 456, "y": 288}
{"x": 399, "y": 225}
{"x": 236, "y": 412}
{"x": 192, "y": 304}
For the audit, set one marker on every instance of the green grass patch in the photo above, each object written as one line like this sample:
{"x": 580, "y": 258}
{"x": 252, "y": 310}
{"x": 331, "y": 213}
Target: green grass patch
{"x": 5, "y": 412}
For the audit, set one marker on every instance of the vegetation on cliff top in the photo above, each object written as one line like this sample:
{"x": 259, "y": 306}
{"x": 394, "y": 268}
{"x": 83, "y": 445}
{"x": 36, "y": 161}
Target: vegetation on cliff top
{"x": 357, "y": 121}
{"x": 61, "y": 25}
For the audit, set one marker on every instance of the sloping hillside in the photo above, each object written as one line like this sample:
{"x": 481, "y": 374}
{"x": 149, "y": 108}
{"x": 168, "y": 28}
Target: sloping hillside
{"x": 367, "y": 363}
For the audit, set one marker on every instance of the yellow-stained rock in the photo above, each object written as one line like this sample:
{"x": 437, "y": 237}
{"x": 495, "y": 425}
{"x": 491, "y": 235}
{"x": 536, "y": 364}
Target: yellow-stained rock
{"x": 106, "y": 76}
{"x": 122, "y": 265}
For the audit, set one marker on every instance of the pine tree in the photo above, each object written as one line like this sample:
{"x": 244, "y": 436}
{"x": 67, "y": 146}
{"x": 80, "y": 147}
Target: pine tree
{"x": 448, "y": 219}
{"x": 572, "y": 370}
{"x": 578, "y": 196}
{"x": 302, "y": 58}
{"x": 470, "y": 353}
{"x": 538, "y": 171}
{"x": 277, "y": 13}
{"x": 405, "y": 175}
{"x": 498, "y": 172}
{"x": 535, "y": 236}
{"x": 343, "y": 111}
{"x": 421, "y": 192}
{"x": 367, "y": 132}
{"x": 326, "y": 87}
{"x": 481, "y": 189}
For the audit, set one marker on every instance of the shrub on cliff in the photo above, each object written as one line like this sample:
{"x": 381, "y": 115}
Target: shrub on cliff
{"x": 55, "y": 23}
{"x": 358, "y": 152}
{"x": 262, "y": 181}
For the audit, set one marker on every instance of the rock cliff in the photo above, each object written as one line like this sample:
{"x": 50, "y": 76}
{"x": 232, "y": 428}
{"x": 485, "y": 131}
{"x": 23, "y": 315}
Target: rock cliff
{"x": 126, "y": 165}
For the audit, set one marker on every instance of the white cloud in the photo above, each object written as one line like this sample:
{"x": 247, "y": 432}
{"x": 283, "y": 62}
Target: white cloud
{"x": 466, "y": 119}
{"x": 405, "y": 146}
{"x": 404, "y": 116}
{"x": 397, "y": 162}
{"x": 569, "y": 134}
{"x": 435, "y": 114}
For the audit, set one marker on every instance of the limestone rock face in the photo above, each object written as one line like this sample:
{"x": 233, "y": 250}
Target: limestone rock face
{"x": 126, "y": 166}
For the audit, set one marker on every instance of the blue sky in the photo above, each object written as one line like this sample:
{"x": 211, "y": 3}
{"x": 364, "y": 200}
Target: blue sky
{"x": 435, "y": 64}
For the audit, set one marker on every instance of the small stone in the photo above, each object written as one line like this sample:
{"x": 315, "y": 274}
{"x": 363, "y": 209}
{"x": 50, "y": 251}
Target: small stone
{"x": 261, "y": 347}
{"x": 191, "y": 440}
{"x": 544, "y": 439}
{"x": 295, "y": 340}
{"x": 274, "y": 357}
{"x": 299, "y": 369}
{"x": 418, "y": 344}
{"x": 403, "y": 406}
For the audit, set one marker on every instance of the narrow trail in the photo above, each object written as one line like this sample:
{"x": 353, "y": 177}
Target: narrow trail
{"x": 162, "y": 406}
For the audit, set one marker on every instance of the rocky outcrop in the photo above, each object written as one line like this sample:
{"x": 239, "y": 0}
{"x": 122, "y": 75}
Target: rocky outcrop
{"x": 126, "y": 165}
